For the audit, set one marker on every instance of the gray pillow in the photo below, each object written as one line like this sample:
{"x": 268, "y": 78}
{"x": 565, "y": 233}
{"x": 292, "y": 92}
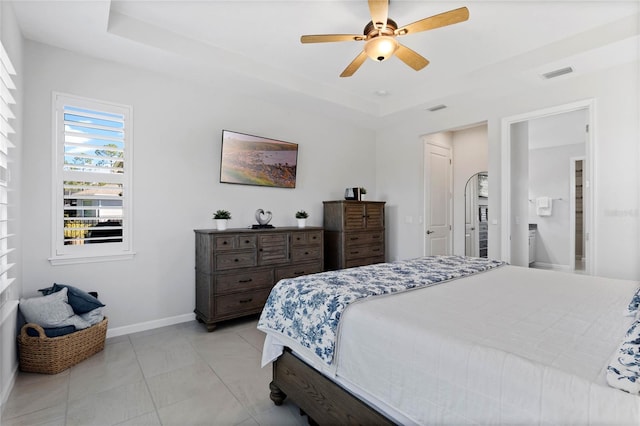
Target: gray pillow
{"x": 51, "y": 311}
{"x": 93, "y": 317}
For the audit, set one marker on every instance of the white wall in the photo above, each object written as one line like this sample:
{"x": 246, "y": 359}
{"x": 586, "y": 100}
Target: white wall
{"x": 177, "y": 135}
{"x": 519, "y": 194}
{"x": 399, "y": 160}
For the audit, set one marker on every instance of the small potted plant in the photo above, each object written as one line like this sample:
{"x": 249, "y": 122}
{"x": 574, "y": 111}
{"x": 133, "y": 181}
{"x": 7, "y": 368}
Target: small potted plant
{"x": 363, "y": 191}
{"x": 302, "y": 216}
{"x": 221, "y": 217}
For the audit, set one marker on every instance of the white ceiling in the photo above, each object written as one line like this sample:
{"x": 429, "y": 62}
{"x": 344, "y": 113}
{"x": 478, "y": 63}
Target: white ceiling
{"x": 255, "y": 46}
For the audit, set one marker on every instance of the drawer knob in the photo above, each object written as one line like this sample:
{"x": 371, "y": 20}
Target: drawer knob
{"x": 245, "y": 281}
{"x": 246, "y": 300}
{"x": 236, "y": 260}
{"x": 224, "y": 243}
{"x": 299, "y": 272}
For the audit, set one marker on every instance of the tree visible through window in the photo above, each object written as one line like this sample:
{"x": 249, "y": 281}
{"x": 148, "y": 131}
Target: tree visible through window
{"x": 93, "y": 142}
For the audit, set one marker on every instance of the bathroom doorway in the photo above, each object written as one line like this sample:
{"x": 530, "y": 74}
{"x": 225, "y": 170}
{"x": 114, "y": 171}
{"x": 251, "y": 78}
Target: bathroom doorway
{"x": 543, "y": 164}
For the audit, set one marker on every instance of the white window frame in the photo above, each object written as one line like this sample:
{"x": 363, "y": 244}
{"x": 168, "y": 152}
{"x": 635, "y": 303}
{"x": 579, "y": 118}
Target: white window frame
{"x": 65, "y": 254}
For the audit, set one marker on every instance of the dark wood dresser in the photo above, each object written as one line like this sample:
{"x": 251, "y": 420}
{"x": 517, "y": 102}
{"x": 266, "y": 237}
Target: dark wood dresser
{"x": 354, "y": 233}
{"x": 236, "y": 268}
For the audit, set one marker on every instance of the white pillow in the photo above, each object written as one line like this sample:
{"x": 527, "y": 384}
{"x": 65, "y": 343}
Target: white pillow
{"x": 51, "y": 311}
{"x": 94, "y": 316}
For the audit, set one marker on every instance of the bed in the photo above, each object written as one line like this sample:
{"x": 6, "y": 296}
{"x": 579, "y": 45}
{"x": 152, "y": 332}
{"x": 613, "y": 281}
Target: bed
{"x": 495, "y": 344}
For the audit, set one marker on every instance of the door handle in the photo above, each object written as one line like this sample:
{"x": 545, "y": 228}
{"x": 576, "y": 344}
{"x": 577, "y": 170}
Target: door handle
{"x": 430, "y": 232}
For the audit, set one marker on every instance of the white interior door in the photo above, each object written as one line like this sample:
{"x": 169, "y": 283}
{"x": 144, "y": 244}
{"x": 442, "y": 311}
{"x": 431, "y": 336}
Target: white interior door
{"x": 437, "y": 200}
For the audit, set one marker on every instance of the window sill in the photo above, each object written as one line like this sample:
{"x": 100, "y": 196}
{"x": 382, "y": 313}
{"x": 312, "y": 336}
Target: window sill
{"x": 70, "y": 260}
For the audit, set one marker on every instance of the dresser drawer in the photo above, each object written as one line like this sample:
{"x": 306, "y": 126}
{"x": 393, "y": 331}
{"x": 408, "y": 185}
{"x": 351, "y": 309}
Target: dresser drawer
{"x": 235, "y": 260}
{"x": 306, "y": 238}
{"x": 250, "y": 301}
{"x": 298, "y": 270}
{"x": 302, "y": 254}
{"x": 360, "y": 238}
{"x": 243, "y": 281}
{"x": 235, "y": 242}
{"x": 357, "y": 252}
{"x": 351, "y": 263}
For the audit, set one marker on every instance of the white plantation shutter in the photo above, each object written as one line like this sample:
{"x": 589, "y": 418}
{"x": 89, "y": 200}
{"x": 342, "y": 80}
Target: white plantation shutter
{"x": 93, "y": 179}
{"x": 6, "y": 116}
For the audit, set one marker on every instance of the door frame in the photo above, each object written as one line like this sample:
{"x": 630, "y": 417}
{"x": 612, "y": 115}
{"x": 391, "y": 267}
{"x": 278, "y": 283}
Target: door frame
{"x": 434, "y": 142}
{"x": 590, "y": 183}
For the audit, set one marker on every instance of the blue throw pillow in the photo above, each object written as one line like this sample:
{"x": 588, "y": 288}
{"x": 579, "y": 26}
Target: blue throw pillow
{"x": 81, "y": 301}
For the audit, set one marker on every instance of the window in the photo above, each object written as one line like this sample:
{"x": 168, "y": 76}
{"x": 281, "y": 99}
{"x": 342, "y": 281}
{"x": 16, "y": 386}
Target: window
{"x": 92, "y": 182}
{"x": 6, "y": 115}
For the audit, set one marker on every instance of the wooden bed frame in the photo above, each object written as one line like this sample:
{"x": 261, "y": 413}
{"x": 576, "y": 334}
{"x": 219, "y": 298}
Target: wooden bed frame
{"x": 322, "y": 400}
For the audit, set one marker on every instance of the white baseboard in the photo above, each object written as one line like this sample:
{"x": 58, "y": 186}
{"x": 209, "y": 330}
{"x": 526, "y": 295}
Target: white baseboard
{"x": 149, "y": 325}
{"x": 552, "y": 266}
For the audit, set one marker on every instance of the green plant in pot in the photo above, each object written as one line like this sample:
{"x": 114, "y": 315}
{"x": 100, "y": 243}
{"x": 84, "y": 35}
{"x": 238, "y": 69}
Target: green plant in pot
{"x": 221, "y": 217}
{"x": 302, "y": 216}
{"x": 363, "y": 191}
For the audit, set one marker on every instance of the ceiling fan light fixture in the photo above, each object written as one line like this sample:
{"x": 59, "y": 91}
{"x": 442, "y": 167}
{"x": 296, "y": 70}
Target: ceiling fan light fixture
{"x": 381, "y": 48}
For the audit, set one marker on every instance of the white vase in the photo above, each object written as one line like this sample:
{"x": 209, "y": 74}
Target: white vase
{"x": 221, "y": 224}
{"x": 302, "y": 223}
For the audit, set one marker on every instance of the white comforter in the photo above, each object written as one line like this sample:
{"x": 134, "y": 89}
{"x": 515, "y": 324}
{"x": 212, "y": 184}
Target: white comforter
{"x": 512, "y": 345}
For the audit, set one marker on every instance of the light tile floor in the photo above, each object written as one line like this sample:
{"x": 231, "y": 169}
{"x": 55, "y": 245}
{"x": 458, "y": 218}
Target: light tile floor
{"x": 177, "y": 375}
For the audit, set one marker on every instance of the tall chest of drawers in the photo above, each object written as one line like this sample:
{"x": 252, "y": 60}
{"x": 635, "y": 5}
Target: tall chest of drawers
{"x": 236, "y": 268}
{"x": 354, "y": 233}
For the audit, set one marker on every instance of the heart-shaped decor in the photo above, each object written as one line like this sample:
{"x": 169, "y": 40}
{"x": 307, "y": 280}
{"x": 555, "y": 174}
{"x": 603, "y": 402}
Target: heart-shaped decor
{"x": 262, "y": 217}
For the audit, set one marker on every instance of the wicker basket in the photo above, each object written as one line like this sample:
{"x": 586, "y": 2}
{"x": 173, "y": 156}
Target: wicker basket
{"x": 51, "y": 355}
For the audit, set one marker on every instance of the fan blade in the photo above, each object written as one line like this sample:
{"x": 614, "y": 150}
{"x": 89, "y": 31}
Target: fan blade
{"x": 354, "y": 65}
{"x": 436, "y": 21}
{"x": 325, "y": 38}
{"x": 411, "y": 58}
{"x": 379, "y": 10}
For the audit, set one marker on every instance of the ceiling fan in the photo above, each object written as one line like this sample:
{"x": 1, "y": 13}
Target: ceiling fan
{"x": 380, "y": 35}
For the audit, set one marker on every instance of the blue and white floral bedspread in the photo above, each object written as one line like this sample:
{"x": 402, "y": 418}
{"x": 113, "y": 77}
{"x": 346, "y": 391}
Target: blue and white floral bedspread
{"x": 623, "y": 371}
{"x": 308, "y": 308}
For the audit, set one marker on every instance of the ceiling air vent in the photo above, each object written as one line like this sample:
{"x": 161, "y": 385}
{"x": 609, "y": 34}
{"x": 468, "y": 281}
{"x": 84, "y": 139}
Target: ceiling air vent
{"x": 436, "y": 108}
{"x": 557, "y": 73}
